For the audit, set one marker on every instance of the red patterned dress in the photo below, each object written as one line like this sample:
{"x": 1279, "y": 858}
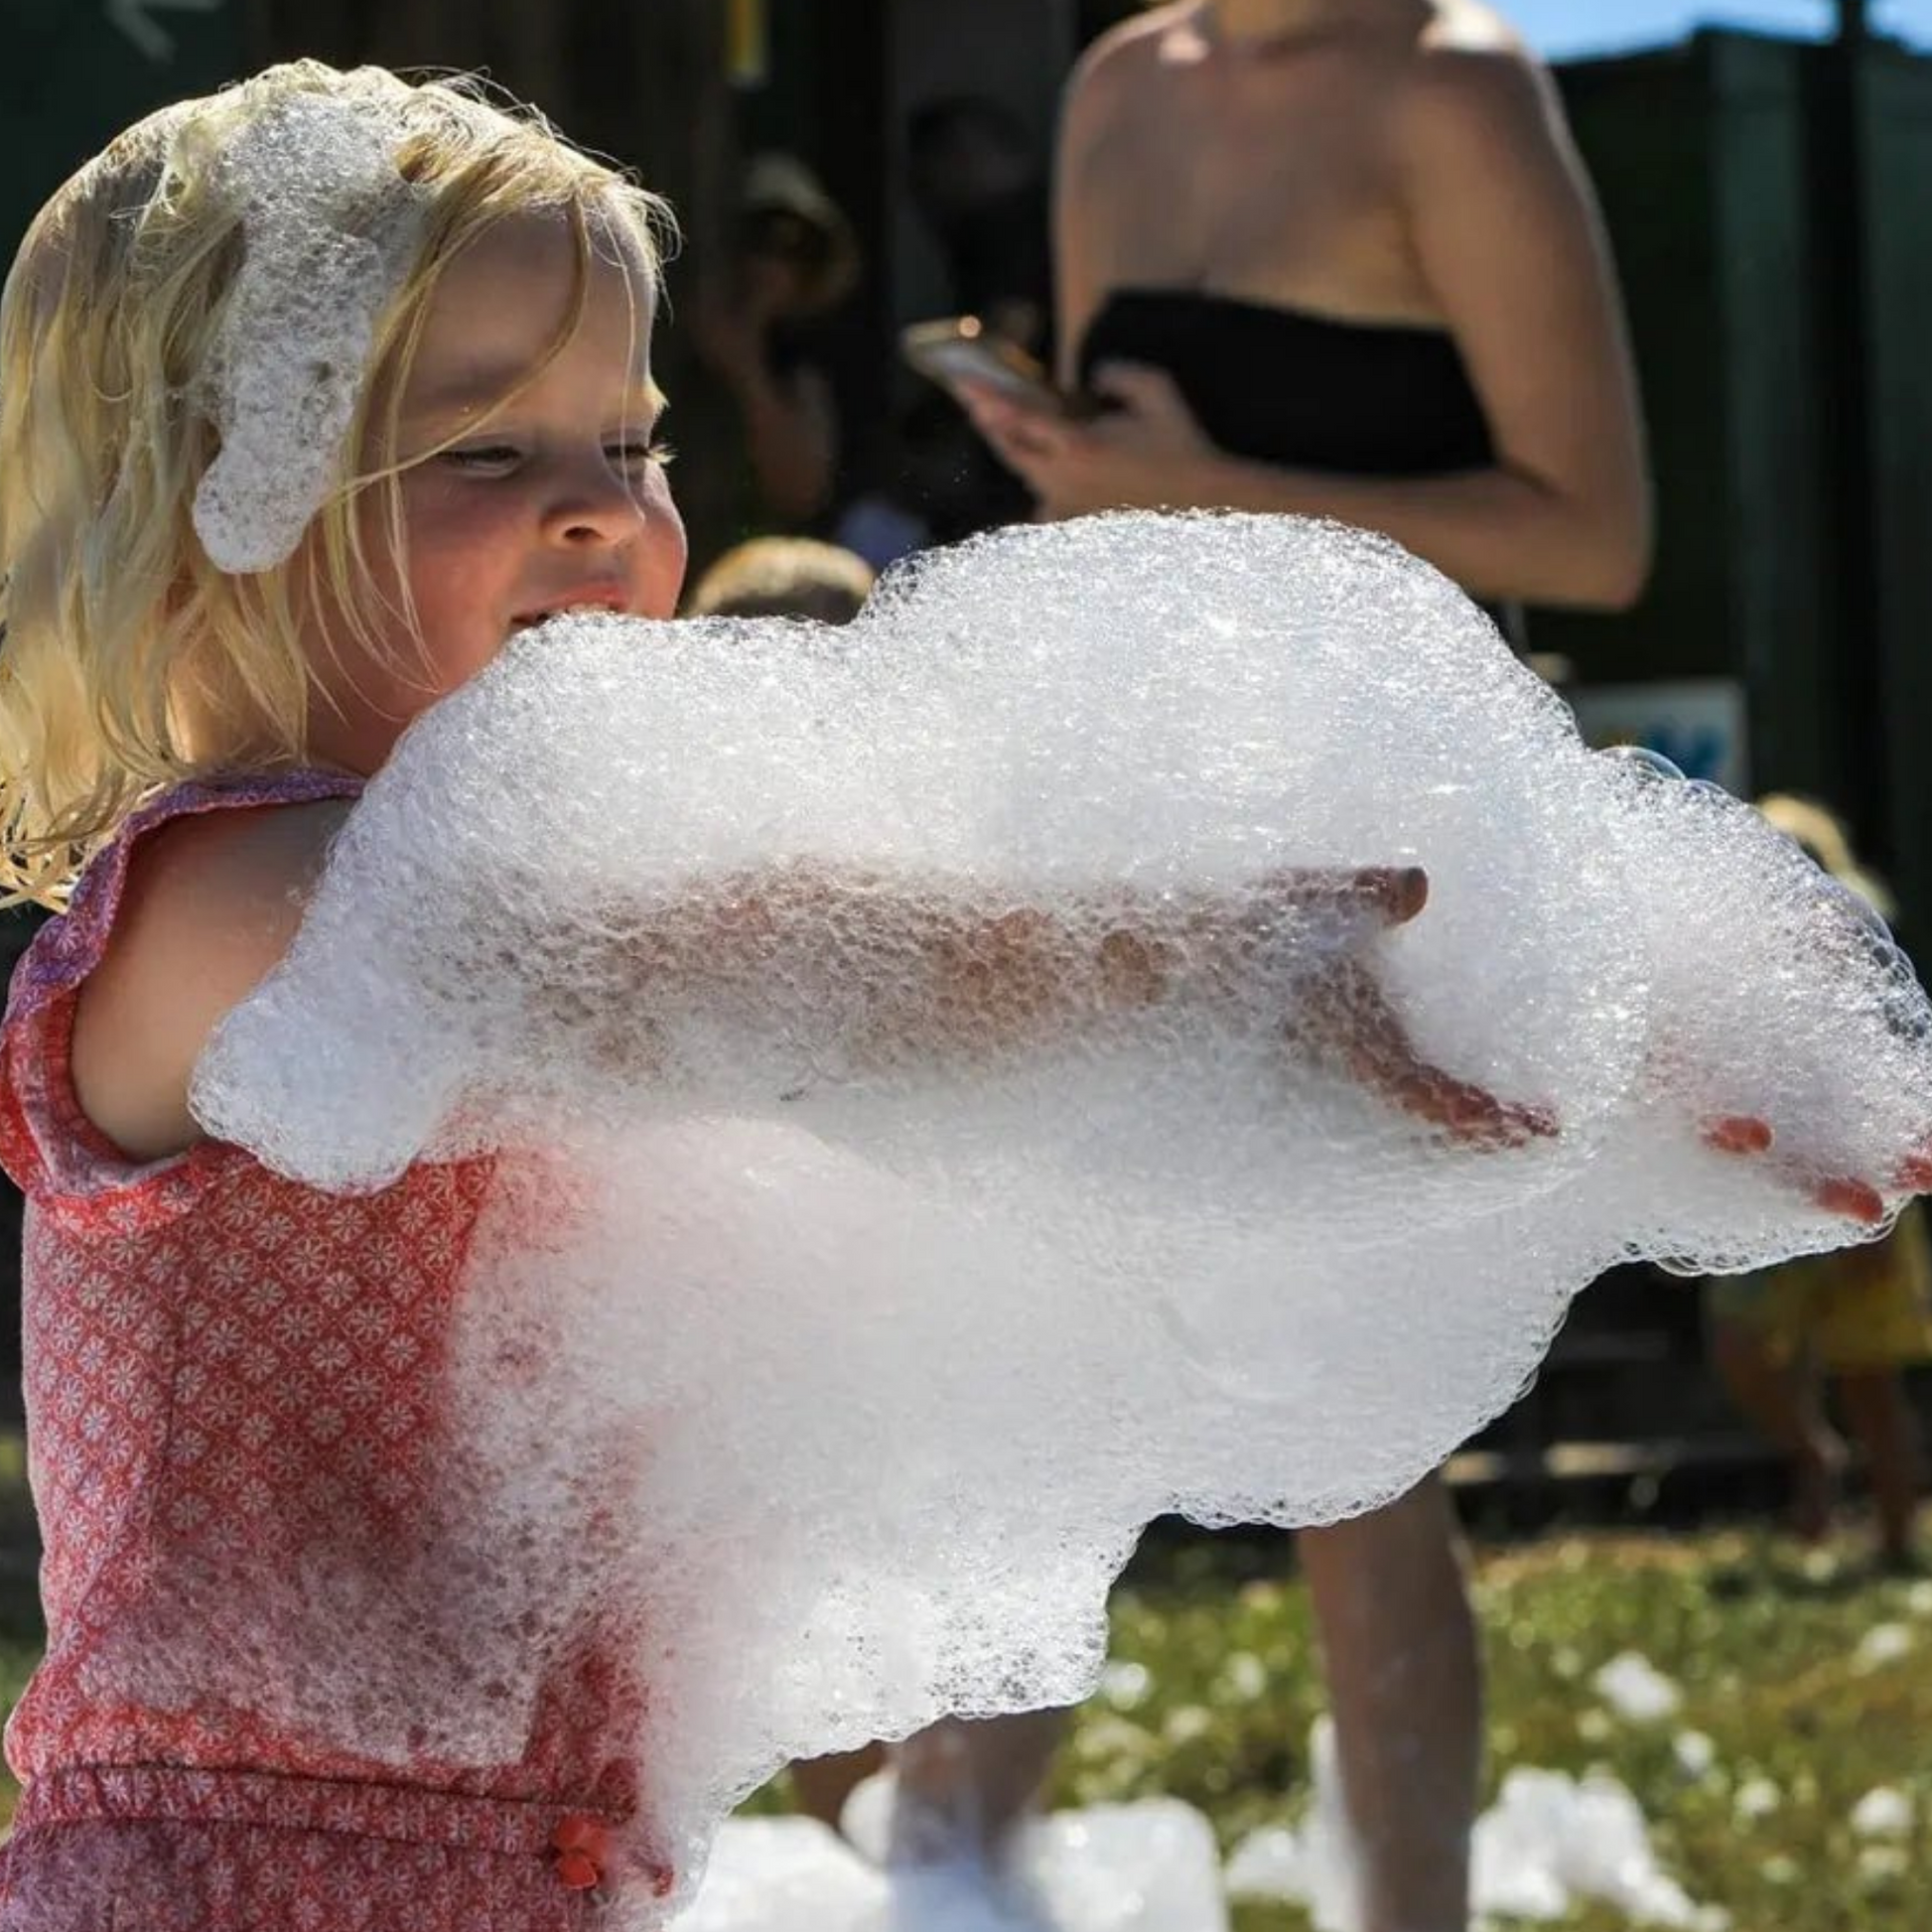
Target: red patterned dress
{"x": 234, "y": 1388}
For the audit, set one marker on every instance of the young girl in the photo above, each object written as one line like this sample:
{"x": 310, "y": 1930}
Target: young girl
{"x": 228, "y": 1374}
{"x": 313, "y": 393}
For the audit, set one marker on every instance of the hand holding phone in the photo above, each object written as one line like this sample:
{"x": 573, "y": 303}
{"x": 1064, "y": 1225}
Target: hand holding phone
{"x": 960, "y": 350}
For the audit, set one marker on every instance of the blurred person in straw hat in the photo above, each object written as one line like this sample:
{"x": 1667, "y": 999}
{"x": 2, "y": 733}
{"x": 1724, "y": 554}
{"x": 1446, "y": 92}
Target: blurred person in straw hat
{"x": 1852, "y": 1321}
{"x": 755, "y": 330}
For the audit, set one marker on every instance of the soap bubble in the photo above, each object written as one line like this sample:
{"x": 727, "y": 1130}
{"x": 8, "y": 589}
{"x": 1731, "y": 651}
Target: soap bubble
{"x": 1642, "y": 763}
{"x": 968, "y": 1133}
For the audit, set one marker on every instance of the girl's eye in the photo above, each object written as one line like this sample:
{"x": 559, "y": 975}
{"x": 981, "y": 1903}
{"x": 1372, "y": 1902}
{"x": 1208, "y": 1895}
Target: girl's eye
{"x": 639, "y": 456}
{"x": 483, "y": 458}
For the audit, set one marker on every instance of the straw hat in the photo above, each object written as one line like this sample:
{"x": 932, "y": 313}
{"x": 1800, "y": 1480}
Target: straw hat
{"x": 782, "y": 207}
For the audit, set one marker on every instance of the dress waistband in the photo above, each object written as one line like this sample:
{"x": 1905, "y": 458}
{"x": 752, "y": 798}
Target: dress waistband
{"x": 401, "y": 1814}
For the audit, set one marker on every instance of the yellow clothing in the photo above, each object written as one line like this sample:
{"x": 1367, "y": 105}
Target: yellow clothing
{"x": 1865, "y": 1307}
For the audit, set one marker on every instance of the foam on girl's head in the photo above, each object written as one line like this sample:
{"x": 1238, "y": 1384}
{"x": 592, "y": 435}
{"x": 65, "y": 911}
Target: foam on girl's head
{"x": 329, "y": 227}
{"x": 202, "y": 346}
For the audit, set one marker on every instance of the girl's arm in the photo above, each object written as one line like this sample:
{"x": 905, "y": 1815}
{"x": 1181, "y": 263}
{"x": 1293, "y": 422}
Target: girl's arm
{"x": 210, "y": 906}
{"x": 213, "y": 903}
{"x": 860, "y": 977}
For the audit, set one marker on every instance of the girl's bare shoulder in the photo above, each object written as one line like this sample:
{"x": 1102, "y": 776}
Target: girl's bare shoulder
{"x": 210, "y": 906}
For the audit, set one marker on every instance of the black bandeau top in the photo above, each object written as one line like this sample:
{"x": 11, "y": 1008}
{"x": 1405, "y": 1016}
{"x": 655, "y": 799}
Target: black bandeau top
{"x": 1305, "y": 390}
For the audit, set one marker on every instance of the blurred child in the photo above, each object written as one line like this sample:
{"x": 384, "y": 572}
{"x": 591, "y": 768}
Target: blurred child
{"x": 1852, "y": 1320}
{"x": 764, "y": 406}
{"x": 783, "y": 577}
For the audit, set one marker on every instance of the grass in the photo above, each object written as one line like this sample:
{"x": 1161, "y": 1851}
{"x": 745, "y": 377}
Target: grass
{"x": 1764, "y": 1642}
{"x": 1764, "y": 1645}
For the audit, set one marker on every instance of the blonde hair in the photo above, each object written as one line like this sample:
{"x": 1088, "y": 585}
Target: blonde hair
{"x": 1826, "y": 842}
{"x": 127, "y": 659}
{"x": 783, "y": 577}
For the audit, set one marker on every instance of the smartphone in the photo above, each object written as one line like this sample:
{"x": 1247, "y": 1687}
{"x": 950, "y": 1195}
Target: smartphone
{"x": 960, "y": 349}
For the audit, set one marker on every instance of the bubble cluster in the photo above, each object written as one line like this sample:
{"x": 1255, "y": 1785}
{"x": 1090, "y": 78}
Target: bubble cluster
{"x": 1004, "y": 1095}
{"x": 329, "y": 227}
{"x": 1147, "y": 1866}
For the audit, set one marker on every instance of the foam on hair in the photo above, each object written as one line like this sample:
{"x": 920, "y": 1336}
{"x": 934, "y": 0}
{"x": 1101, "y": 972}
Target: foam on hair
{"x": 910, "y": 1328}
{"x": 329, "y": 229}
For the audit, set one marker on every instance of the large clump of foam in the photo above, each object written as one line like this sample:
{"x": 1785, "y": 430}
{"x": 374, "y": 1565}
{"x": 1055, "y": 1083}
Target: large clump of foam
{"x": 999, "y": 1096}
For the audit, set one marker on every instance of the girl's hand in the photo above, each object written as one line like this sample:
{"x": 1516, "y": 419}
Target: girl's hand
{"x": 1346, "y": 1015}
{"x": 1147, "y": 451}
{"x": 1750, "y": 1138}
{"x": 1343, "y": 1015}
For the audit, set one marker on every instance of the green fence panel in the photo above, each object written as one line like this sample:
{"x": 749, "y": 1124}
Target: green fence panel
{"x": 74, "y": 72}
{"x": 1895, "y": 115}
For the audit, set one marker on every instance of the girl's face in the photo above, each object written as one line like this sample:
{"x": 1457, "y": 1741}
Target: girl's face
{"x": 551, "y": 500}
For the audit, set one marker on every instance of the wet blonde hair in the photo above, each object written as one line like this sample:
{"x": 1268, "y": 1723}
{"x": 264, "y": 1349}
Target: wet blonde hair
{"x": 127, "y": 659}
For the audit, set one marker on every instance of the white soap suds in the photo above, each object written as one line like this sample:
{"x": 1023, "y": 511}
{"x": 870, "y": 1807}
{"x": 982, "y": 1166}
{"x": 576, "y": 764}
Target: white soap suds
{"x": 329, "y": 229}
{"x": 1148, "y": 1867}
{"x": 1548, "y": 1843}
{"x": 1636, "y": 1689}
{"x": 919, "y": 1247}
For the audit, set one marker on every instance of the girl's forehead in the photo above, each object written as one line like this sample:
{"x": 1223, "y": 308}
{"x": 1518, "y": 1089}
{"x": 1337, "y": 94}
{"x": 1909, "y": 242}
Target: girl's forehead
{"x": 502, "y": 307}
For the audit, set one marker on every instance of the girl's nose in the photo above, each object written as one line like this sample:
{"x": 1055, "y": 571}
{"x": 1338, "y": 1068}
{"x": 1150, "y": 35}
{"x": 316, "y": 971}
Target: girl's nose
{"x": 593, "y": 508}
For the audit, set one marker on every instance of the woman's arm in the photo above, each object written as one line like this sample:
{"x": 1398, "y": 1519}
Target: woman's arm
{"x": 1091, "y": 101}
{"x": 1510, "y": 243}
{"x": 789, "y": 420}
{"x": 791, "y": 434}
{"x": 1508, "y": 240}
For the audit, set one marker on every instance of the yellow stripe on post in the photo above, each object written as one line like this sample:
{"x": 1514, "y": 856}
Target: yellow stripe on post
{"x": 748, "y": 43}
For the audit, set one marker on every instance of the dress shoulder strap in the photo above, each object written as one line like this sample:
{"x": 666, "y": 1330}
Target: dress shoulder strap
{"x": 47, "y": 1142}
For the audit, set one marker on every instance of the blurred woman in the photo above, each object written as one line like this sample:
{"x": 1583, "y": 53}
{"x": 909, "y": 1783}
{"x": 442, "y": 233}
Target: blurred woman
{"x": 766, "y": 391}
{"x": 1340, "y": 258}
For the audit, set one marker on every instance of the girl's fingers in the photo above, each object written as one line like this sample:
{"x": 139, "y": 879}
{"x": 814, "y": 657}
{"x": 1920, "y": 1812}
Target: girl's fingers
{"x": 1393, "y": 894}
{"x": 1381, "y": 1057}
{"x": 1466, "y": 1111}
{"x": 1914, "y": 1172}
{"x": 1736, "y": 1134}
{"x": 1477, "y": 1117}
{"x": 1857, "y": 1199}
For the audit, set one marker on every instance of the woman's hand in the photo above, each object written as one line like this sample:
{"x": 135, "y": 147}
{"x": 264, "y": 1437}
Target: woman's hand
{"x": 1146, "y": 450}
{"x": 731, "y": 320}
